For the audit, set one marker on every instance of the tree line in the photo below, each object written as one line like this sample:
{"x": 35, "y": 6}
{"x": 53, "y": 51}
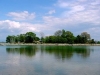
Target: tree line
{"x": 29, "y": 37}
{"x": 60, "y": 36}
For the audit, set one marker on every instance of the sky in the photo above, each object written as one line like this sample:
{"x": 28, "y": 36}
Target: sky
{"x": 48, "y": 16}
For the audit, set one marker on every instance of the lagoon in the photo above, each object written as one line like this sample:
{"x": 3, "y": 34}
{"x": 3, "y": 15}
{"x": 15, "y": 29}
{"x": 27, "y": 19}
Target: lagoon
{"x": 49, "y": 60}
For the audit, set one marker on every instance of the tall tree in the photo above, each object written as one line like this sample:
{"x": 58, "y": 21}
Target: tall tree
{"x": 86, "y": 37}
{"x": 8, "y": 39}
{"x": 30, "y": 37}
{"x": 78, "y": 39}
{"x": 63, "y": 33}
{"x": 70, "y": 37}
{"x": 22, "y": 38}
{"x": 58, "y": 33}
{"x": 85, "y": 34}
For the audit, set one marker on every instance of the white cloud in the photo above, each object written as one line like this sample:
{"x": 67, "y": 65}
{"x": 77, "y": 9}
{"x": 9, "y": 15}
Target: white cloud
{"x": 9, "y": 26}
{"x": 13, "y": 27}
{"x": 51, "y": 20}
{"x": 51, "y": 12}
{"x": 26, "y": 27}
{"x": 62, "y": 3}
{"x": 90, "y": 16}
{"x": 82, "y": 11}
{"x": 78, "y": 8}
{"x": 25, "y": 15}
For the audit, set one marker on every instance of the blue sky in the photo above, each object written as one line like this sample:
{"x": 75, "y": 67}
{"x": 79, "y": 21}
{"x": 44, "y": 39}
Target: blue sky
{"x": 48, "y": 16}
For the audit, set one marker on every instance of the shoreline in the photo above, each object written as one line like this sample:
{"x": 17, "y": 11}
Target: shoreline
{"x": 14, "y": 44}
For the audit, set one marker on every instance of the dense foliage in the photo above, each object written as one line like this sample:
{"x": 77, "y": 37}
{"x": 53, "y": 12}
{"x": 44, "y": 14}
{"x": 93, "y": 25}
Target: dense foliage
{"x": 29, "y": 37}
{"x": 60, "y": 36}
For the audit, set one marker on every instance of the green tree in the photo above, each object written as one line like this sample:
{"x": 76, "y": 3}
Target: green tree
{"x": 80, "y": 39}
{"x": 63, "y": 33}
{"x": 30, "y": 37}
{"x": 8, "y": 39}
{"x": 98, "y": 42}
{"x": 69, "y": 37}
{"x": 92, "y": 41}
{"x": 37, "y": 38}
{"x": 46, "y": 39}
{"x": 22, "y": 38}
{"x": 17, "y": 39}
{"x": 60, "y": 36}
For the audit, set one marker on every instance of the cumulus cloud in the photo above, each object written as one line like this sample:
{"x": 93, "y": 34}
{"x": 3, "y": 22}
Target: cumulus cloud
{"x": 13, "y": 27}
{"x": 9, "y": 27}
{"x": 25, "y": 15}
{"x": 7, "y": 24}
{"x": 26, "y": 27}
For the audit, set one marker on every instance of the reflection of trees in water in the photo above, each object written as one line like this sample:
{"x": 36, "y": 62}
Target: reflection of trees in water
{"x": 60, "y": 52}
{"x": 66, "y": 51}
{"x": 82, "y": 51}
{"x": 23, "y": 50}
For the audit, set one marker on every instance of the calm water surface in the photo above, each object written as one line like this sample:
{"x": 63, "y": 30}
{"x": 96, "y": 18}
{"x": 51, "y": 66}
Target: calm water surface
{"x": 49, "y": 60}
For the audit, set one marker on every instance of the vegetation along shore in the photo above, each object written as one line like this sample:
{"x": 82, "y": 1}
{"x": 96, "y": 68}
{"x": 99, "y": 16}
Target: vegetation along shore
{"x": 60, "y": 37}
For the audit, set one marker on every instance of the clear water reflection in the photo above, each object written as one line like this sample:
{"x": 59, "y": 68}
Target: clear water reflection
{"x": 49, "y": 60}
{"x": 61, "y": 52}
{"x": 23, "y": 50}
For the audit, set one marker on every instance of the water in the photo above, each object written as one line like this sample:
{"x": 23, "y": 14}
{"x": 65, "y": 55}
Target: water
{"x": 49, "y": 60}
